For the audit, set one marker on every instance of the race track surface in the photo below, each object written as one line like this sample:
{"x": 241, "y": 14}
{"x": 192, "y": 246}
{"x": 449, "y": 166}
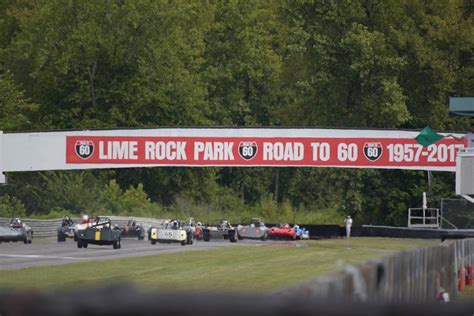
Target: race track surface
{"x": 48, "y": 252}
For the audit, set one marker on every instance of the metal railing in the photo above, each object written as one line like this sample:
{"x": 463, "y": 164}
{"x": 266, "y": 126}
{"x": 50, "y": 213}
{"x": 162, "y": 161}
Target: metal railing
{"x": 49, "y": 227}
{"x": 422, "y": 217}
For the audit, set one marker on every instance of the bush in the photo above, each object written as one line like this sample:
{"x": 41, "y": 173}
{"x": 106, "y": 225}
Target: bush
{"x": 55, "y": 213}
{"x": 11, "y": 207}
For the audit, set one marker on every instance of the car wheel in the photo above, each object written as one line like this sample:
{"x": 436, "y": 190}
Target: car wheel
{"x": 232, "y": 238}
{"x": 61, "y": 237}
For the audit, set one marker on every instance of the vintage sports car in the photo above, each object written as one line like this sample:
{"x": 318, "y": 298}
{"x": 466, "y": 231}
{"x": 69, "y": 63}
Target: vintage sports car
{"x": 16, "y": 231}
{"x": 99, "y": 232}
{"x": 221, "y": 231}
{"x": 256, "y": 229}
{"x": 301, "y": 233}
{"x": 282, "y": 232}
{"x": 67, "y": 229}
{"x": 172, "y": 232}
{"x": 133, "y": 230}
{"x": 196, "y": 228}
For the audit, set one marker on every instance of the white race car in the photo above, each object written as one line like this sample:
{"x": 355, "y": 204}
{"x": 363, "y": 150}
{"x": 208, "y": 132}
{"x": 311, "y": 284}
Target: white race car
{"x": 172, "y": 232}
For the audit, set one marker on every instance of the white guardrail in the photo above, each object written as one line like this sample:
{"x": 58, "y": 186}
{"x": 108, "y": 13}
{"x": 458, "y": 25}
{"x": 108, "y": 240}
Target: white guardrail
{"x": 49, "y": 227}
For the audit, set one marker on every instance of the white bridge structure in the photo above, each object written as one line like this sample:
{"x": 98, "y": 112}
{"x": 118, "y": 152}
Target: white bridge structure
{"x": 238, "y": 147}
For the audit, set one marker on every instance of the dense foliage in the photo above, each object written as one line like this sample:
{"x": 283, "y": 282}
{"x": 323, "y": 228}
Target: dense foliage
{"x": 115, "y": 63}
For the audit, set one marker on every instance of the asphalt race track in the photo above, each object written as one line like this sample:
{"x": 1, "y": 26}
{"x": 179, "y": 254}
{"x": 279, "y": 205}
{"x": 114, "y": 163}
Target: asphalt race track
{"x": 17, "y": 255}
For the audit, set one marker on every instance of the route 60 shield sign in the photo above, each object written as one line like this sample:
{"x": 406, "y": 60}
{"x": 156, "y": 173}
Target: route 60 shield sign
{"x": 373, "y": 151}
{"x": 84, "y": 148}
{"x": 247, "y": 150}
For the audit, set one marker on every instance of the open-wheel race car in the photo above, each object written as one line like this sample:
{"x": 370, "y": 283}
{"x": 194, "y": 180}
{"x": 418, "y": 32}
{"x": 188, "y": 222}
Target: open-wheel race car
{"x": 133, "y": 230}
{"x": 67, "y": 229}
{"x": 256, "y": 229}
{"x": 173, "y": 231}
{"x": 195, "y": 227}
{"x": 16, "y": 231}
{"x": 99, "y": 232}
{"x": 221, "y": 231}
{"x": 301, "y": 233}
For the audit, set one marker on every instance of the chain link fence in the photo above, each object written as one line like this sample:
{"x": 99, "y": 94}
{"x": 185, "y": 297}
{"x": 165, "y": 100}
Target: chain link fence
{"x": 457, "y": 214}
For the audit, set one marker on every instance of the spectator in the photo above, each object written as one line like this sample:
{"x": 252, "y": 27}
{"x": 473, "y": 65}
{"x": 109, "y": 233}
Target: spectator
{"x": 348, "y": 223}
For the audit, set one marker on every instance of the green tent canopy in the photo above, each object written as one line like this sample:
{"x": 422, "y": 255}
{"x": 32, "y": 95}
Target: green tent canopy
{"x": 461, "y": 106}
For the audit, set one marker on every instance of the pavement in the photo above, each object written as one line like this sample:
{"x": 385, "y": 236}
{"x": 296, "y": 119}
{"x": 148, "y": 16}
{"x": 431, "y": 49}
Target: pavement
{"x": 49, "y": 252}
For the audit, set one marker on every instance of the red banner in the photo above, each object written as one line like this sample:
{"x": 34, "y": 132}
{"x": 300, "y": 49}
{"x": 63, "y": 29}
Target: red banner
{"x": 391, "y": 153}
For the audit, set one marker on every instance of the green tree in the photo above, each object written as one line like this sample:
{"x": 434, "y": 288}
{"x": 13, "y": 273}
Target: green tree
{"x": 11, "y": 207}
{"x": 242, "y": 68}
{"x": 15, "y": 109}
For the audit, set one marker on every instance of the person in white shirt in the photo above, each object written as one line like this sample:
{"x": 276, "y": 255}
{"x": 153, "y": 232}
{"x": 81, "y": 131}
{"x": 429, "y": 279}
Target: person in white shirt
{"x": 348, "y": 222}
{"x": 470, "y": 139}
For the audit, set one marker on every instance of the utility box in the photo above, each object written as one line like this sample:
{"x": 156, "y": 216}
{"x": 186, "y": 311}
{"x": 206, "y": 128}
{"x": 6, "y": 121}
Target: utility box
{"x": 3, "y": 179}
{"x": 465, "y": 173}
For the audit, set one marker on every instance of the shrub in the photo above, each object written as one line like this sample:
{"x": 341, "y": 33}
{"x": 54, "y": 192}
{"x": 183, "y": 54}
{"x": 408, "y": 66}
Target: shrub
{"x": 11, "y": 207}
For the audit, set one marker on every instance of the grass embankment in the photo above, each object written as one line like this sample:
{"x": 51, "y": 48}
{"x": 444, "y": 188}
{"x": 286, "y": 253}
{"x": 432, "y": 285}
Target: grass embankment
{"x": 234, "y": 268}
{"x": 468, "y": 293}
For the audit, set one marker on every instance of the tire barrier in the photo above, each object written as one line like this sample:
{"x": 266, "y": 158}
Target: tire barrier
{"x": 418, "y": 275}
{"x": 49, "y": 227}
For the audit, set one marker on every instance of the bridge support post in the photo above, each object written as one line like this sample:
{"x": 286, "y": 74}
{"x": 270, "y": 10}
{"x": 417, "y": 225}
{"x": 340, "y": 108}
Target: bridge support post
{"x": 3, "y": 179}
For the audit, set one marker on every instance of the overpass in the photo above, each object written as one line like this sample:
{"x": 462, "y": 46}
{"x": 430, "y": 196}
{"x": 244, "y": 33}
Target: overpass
{"x": 211, "y": 147}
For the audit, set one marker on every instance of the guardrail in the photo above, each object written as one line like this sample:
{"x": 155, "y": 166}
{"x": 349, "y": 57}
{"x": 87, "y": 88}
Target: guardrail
{"x": 418, "y": 275}
{"x": 49, "y": 227}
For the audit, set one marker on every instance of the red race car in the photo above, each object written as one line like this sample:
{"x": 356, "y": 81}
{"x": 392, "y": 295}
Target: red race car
{"x": 282, "y": 232}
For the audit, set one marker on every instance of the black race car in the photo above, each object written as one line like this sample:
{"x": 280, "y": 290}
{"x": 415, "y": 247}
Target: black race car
{"x": 66, "y": 230}
{"x": 100, "y": 232}
{"x": 133, "y": 230}
{"x": 16, "y": 231}
{"x": 223, "y": 230}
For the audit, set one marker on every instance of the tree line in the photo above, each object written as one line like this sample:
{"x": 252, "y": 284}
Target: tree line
{"x": 117, "y": 63}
